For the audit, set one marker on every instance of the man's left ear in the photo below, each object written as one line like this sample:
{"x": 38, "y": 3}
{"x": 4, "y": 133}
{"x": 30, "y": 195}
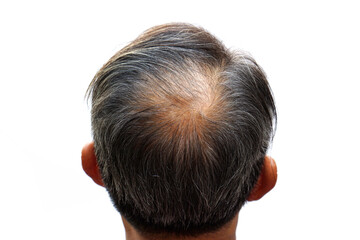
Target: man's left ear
{"x": 89, "y": 163}
{"x": 266, "y": 181}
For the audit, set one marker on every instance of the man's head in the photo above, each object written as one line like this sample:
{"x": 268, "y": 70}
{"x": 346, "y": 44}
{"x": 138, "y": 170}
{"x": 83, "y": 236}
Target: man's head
{"x": 181, "y": 126}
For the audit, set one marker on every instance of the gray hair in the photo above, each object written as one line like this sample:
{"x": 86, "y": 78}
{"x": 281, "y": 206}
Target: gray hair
{"x": 181, "y": 126}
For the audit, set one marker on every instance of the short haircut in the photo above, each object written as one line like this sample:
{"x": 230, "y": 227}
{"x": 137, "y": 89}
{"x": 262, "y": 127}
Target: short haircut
{"x": 181, "y": 126}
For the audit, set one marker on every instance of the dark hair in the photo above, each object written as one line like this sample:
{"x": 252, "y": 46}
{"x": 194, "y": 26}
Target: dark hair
{"x": 181, "y": 126}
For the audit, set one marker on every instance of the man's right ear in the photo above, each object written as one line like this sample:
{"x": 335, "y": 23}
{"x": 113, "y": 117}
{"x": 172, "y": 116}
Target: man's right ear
{"x": 89, "y": 163}
{"x": 266, "y": 180}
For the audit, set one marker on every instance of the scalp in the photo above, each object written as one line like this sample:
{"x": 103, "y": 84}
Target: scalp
{"x": 186, "y": 101}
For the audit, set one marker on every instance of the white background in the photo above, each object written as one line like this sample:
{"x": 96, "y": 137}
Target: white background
{"x": 49, "y": 52}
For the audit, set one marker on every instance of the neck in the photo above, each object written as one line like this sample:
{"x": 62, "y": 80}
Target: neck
{"x": 227, "y": 232}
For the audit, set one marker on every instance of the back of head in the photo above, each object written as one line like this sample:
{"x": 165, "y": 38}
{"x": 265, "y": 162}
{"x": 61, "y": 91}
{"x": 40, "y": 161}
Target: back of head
{"x": 181, "y": 126}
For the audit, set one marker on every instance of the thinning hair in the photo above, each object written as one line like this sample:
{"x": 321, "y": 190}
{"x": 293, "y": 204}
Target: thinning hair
{"x": 181, "y": 126}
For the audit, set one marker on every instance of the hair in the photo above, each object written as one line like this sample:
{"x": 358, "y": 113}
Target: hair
{"x": 181, "y": 126}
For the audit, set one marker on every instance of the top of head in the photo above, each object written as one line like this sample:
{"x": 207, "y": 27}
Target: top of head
{"x": 181, "y": 126}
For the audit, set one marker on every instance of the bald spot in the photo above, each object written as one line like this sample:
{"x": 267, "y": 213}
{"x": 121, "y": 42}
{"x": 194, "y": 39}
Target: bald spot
{"x": 185, "y": 101}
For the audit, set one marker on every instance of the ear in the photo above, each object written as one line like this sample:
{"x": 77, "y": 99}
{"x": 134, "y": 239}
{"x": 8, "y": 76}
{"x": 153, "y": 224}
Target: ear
{"x": 266, "y": 181}
{"x": 89, "y": 163}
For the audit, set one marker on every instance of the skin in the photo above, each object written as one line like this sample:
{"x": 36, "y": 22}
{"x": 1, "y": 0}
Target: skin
{"x": 265, "y": 183}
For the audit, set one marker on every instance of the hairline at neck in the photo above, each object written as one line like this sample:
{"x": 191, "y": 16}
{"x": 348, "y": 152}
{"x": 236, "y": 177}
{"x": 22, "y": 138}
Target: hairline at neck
{"x": 227, "y": 232}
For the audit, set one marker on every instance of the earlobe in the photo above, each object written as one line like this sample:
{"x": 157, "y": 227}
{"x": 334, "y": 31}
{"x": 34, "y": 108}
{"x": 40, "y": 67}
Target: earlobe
{"x": 89, "y": 163}
{"x": 266, "y": 181}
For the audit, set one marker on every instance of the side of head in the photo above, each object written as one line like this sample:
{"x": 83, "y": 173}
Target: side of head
{"x": 181, "y": 126}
